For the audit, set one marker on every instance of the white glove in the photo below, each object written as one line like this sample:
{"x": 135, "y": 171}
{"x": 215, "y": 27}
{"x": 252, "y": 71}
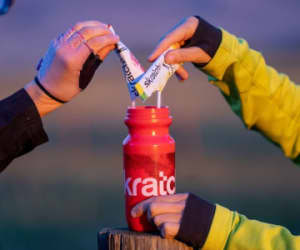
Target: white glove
{"x": 72, "y": 59}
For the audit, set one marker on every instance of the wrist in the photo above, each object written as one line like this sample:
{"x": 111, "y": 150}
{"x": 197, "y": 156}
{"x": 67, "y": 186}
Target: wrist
{"x": 207, "y": 37}
{"x": 43, "y": 102}
{"x": 196, "y": 221}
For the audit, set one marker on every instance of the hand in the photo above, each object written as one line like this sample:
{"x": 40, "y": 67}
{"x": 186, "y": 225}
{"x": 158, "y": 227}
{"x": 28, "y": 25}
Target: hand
{"x": 70, "y": 63}
{"x": 184, "y": 216}
{"x": 181, "y": 33}
{"x": 164, "y": 211}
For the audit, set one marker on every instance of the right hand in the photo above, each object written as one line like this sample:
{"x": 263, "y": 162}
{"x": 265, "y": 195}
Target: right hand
{"x": 180, "y": 33}
{"x": 164, "y": 211}
{"x": 184, "y": 216}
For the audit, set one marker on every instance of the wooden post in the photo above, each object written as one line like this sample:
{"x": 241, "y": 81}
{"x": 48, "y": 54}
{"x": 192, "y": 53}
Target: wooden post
{"x": 123, "y": 239}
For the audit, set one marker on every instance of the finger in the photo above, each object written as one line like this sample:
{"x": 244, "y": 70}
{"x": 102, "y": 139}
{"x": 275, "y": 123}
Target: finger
{"x": 172, "y": 198}
{"x": 75, "y": 40}
{"x": 100, "y": 42}
{"x": 81, "y": 25}
{"x": 157, "y": 208}
{"x": 169, "y": 230}
{"x": 179, "y": 78}
{"x": 182, "y": 73}
{"x": 87, "y": 33}
{"x": 163, "y": 218}
{"x": 105, "y": 51}
{"x": 142, "y": 207}
{"x": 97, "y": 43}
{"x": 193, "y": 54}
{"x": 90, "y": 32}
{"x": 171, "y": 38}
{"x": 183, "y": 31}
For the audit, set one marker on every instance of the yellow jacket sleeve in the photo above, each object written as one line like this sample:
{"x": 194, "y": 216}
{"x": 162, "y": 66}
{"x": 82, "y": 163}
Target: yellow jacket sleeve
{"x": 232, "y": 231}
{"x": 264, "y": 99}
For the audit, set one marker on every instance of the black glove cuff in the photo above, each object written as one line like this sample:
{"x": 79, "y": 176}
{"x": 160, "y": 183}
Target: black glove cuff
{"x": 206, "y": 37}
{"x": 88, "y": 70}
{"x": 196, "y": 221}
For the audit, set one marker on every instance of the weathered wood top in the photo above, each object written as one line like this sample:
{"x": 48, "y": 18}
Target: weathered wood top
{"x": 123, "y": 239}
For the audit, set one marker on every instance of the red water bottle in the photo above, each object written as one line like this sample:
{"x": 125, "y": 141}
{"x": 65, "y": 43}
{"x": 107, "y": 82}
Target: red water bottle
{"x": 149, "y": 160}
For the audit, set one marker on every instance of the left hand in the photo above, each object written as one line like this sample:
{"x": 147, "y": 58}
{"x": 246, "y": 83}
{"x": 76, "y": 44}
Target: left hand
{"x": 72, "y": 58}
{"x": 184, "y": 216}
{"x": 70, "y": 63}
{"x": 164, "y": 211}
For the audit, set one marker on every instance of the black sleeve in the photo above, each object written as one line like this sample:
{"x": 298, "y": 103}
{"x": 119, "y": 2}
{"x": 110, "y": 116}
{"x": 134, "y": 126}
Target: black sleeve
{"x": 21, "y": 128}
{"x": 196, "y": 221}
{"x": 206, "y": 37}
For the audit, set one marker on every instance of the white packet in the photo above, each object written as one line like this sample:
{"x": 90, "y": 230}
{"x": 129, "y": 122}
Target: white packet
{"x": 156, "y": 77}
{"x": 131, "y": 67}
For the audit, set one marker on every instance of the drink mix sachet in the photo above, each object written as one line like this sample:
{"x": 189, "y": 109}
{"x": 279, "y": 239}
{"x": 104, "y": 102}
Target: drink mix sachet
{"x": 156, "y": 77}
{"x": 131, "y": 67}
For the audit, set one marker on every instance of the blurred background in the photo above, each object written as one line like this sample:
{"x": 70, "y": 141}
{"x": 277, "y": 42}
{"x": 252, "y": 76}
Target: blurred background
{"x": 63, "y": 193}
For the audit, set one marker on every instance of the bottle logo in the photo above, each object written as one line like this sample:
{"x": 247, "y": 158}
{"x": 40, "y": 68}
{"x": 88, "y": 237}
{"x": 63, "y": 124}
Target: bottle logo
{"x": 150, "y": 186}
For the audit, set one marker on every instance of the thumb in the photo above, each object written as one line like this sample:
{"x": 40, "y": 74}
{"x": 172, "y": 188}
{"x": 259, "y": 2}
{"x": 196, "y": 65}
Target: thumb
{"x": 192, "y": 54}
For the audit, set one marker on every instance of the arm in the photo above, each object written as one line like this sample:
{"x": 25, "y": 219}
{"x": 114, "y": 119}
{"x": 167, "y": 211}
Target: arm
{"x": 232, "y": 231}
{"x": 264, "y": 99}
{"x": 65, "y": 71}
{"x": 203, "y": 225}
{"x": 21, "y": 128}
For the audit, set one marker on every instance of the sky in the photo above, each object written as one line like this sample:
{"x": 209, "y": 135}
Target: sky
{"x": 27, "y": 30}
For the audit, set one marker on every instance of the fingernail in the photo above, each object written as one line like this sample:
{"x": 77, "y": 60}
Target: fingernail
{"x": 133, "y": 213}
